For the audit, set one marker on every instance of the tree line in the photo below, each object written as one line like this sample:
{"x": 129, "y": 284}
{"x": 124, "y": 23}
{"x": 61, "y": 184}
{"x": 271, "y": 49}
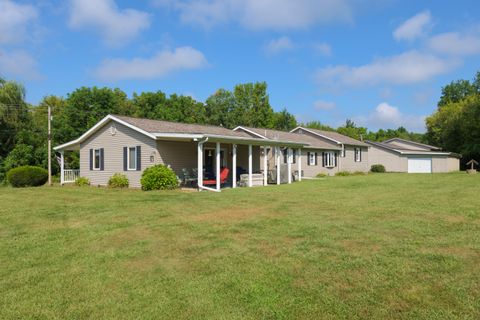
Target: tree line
{"x": 23, "y": 127}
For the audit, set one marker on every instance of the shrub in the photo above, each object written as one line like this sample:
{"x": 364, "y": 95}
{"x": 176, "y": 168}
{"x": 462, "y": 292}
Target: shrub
{"x": 377, "y": 168}
{"x": 118, "y": 180}
{"x": 343, "y": 173}
{"x": 27, "y": 176}
{"x": 158, "y": 177}
{"x": 321, "y": 175}
{"x": 82, "y": 181}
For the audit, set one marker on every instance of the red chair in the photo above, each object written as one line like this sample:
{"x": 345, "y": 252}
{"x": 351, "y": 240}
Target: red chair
{"x": 223, "y": 178}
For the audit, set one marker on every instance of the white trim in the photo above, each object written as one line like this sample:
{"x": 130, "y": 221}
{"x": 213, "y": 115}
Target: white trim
{"x": 128, "y": 159}
{"x": 217, "y": 164}
{"x": 289, "y": 165}
{"x": 277, "y": 156}
{"x": 299, "y": 159}
{"x": 62, "y": 167}
{"x": 329, "y": 159}
{"x": 309, "y": 154}
{"x": 265, "y": 166}
{"x": 359, "y": 158}
{"x": 250, "y": 169}
{"x": 316, "y": 133}
{"x": 250, "y": 131}
{"x": 97, "y": 126}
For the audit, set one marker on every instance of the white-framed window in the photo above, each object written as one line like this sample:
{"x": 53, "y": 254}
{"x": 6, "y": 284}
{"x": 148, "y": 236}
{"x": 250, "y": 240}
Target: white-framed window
{"x": 329, "y": 159}
{"x": 97, "y": 156}
{"x": 358, "y": 155}
{"x": 132, "y": 158}
{"x": 311, "y": 158}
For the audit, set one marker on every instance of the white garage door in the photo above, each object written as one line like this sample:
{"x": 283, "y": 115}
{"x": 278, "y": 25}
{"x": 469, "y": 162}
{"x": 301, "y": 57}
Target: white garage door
{"x": 419, "y": 165}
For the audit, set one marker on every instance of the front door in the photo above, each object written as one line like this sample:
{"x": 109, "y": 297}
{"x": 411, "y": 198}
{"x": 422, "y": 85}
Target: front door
{"x": 210, "y": 163}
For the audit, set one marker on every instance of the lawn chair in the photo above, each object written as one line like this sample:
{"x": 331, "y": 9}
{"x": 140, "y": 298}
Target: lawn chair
{"x": 187, "y": 178}
{"x": 223, "y": 178}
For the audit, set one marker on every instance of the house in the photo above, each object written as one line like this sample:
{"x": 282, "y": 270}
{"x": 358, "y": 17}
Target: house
{"x": 319, "y": 155}
{"x": 353, "y": 155}
{"x": 399, "y": 155}
{"x": 130, "y": 145}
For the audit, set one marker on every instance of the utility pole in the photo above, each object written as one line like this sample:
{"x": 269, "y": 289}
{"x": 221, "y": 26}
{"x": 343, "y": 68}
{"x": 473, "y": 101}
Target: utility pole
{"x": 49, "y": 146}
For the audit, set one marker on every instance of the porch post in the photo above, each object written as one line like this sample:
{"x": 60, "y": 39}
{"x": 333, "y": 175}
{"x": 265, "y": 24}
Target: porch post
{"x": 62, "y": 168}
{"x": 234, "y": 166}
{"x": 277, "y": 155}
{"x": 265, "y": 166}
{"x": 299, "y": 160}
{"x": 200, "y": 164}
{"x": 217, "y": 164}
{"x": 249, "y": 165}
{"x": 289, "y": 165}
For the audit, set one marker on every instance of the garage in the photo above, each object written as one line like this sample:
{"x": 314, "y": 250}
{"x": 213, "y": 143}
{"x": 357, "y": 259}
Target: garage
{"x": 419, "y": 165}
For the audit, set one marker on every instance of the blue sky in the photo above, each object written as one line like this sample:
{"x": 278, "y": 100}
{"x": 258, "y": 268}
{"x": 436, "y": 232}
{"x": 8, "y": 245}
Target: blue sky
{"x": 380, "y": 63}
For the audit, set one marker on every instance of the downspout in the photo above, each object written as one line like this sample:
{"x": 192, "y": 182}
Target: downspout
{"x": 340, "y": 158}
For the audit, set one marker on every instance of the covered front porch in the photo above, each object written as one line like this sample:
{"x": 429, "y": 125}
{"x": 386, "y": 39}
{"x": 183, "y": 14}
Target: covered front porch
{"x": 221, "y": 163}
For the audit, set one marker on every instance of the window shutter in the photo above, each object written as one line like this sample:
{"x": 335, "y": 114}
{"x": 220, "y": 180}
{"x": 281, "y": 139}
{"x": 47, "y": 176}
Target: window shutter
{"x": 91, "y": 159}
{"x": 102, "y": 163}
{"x": 125, "y": 164}
{"x": 294, "y": 156}
{"x": 360, "y": 151}
{"x": 323, "y": 159}
{"x": 336, "y": 158}
{"x": 316, "y": 156}
{"x": 355, "y": 154}
{"x": 139, "y": 158}
{"x": 308, "y": 158}
{"x": 285, "y": 155}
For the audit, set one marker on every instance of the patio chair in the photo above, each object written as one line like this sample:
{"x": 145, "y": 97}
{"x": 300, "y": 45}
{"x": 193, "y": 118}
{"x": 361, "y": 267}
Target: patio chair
{"x": 187, "y": 178}
{"x": 223, "y": 178}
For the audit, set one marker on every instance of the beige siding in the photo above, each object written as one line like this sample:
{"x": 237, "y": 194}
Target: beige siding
{"x": 177, "y": 155}
{"x": 392, "y": 161}
{"x": 453, "y": 164}
{"x": 348, "y": 162}
{"x": 113, "y": 157}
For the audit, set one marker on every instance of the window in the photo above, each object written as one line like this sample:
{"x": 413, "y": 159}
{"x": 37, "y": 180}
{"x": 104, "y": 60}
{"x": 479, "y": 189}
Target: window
{"x": 342, "y": 152}
{"x": 329, "y": 159}
{"x": 311, "y": 158}
{"x": 294, "y": 156}
{"x": 132, "y": 158}
{"x": 96, "y": 159}
{"x": 285, "y": 155}
{"x": 358, "y": 154}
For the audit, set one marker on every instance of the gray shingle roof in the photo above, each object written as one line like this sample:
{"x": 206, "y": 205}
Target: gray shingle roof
{"x": 338, "y": 137}
{"x": 312, "y": 142}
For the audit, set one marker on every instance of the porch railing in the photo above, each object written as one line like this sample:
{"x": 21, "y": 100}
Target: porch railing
{"x": 70, "y": 175}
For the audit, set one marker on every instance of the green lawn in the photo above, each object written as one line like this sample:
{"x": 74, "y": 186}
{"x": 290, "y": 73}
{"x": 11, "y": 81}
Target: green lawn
{"x": 377, "y": 246}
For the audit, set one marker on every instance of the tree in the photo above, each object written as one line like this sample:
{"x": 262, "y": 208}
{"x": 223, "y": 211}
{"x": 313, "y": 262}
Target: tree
{"x": 284, "y": 120}
{"x": 252, "y": 106}
{"x": 317, "y": 125}
{"x": 220, "y": 107}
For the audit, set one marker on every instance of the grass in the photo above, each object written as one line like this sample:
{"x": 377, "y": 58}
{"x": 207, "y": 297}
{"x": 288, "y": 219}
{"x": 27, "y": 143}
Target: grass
{"x": 379, "y": 246}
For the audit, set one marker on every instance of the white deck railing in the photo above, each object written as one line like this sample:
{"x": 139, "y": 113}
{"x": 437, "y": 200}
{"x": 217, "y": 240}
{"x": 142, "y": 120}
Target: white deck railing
{"x": 70, "y": 175}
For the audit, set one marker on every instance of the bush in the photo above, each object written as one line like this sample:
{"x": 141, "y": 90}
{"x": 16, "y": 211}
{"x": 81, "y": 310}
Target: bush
{"x": 158, "y": 177}
{"x": 27, "y": 176}
{"x": 321, "y": 175}
{"x": 343, "y": 173}
{"x": 377, "y": 168}
{"x": 82, "y": 181}
{"x": 118, "y": 180}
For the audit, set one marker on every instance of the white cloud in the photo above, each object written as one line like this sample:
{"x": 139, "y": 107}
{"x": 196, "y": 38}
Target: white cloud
{"x": 454, "y": 43}
{"x": 163, "y": 63}
{"x": 116, "y": 26}
{"x": 18, "y": 64}
{"x": 387, "y": 116}
{"x": 323, "y": 105}
{"x": 278, "y": 45}
{"x": 415, "y": 27}
{"x": 265, "y": 14}
{"x": 406, "y": 68}
{"x": 14, "y": 19}
{"x": 323, "y": 48}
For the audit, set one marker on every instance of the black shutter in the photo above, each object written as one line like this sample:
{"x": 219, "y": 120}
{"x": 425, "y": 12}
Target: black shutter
{"x": 139, "y": 158}
{"x": 360, "y": 150}
{"x": 336, "y": 158}
{"x": 294, "y": 156}
{"x": 91, "y": 159}
{"x": 308, "y": 158}
{"x": 355, "y": 154}
{"x": 125, "y": 164}
{"x": 316, "y": 160}
{"x": 285, "y": 155}
{"x": 323, "y": 159}
{"x": 102, "y": 163}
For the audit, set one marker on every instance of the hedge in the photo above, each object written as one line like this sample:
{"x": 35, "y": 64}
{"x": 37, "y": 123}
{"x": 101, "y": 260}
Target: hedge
{"x": 27, "y": 176}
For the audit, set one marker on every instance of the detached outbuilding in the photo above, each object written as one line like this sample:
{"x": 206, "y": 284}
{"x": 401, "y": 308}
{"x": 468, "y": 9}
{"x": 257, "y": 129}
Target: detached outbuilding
{"x": 399, "y": 155}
